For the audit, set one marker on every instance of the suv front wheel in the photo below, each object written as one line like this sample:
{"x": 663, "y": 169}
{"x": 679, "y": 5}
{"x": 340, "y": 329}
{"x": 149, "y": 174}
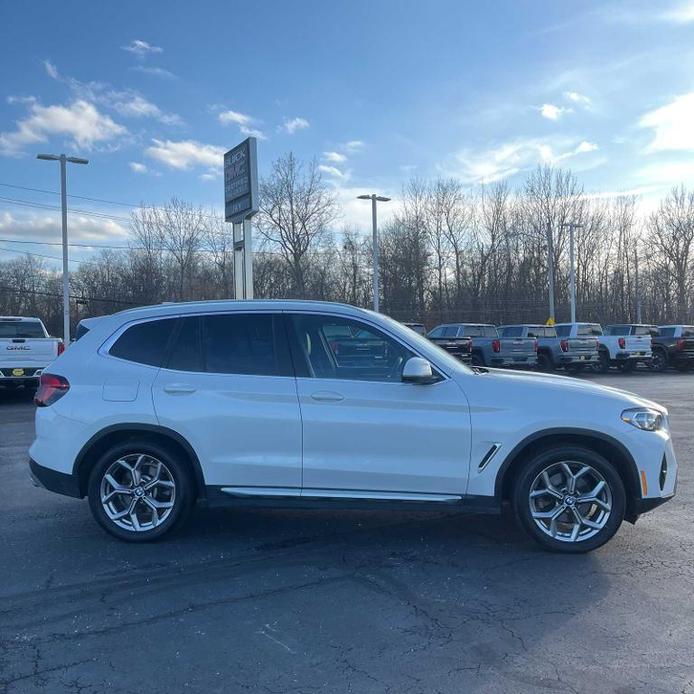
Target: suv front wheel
{"x": 570, "y": 499}
{"x": 139, "y": 491}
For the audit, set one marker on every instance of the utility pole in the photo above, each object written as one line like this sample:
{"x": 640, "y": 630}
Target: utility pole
{"x": 63, "y": 159}
{"x": 637, "y": 290}
{"x": 550, "y": 271}
{"x": 572, "y": 269}
{"x": 374, "y": 223}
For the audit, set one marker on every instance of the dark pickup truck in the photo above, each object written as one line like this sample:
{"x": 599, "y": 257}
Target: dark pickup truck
{"x": 453, "y": 339}
{"x": 672, "y": 345}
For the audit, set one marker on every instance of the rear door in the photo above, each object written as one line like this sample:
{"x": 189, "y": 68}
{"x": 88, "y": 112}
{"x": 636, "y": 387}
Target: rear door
{"x": 228, "y": 387}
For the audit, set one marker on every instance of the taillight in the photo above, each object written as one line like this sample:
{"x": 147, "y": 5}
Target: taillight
{"x": 564, "y": 344}
{"x": 680, "y": 343}
{"x": 622, "y": 343}
{"x": 61, "y": 347}
{"x": 496, "y": 346}
{"x": 535, "y": 345}
{"x": 51, "y": 389}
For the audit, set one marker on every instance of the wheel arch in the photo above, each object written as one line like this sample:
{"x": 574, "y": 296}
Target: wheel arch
{"x": 603, "y": 444}
{"x": 118, "y": 433}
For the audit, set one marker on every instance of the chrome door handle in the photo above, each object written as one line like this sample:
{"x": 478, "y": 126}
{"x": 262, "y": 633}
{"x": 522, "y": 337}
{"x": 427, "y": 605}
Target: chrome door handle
{"x": 327, "y": 396}
{"x": 178, "y": 389}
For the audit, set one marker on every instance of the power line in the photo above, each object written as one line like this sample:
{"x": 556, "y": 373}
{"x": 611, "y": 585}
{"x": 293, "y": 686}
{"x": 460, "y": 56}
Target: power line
{"x": 42, "y": 255}
{"x": 77, "y": 197}
{"x": 43, "y": 206}
{"x": 72, "y": 296}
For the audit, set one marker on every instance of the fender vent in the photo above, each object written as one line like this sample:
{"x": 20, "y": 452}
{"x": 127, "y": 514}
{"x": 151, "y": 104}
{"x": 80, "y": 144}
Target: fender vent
{"x": 488, "y": 457}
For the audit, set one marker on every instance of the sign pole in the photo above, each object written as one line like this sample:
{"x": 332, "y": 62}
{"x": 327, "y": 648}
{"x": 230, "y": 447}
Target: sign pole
{"x": 247, "y": 259}
{"x": 240, "y": 204}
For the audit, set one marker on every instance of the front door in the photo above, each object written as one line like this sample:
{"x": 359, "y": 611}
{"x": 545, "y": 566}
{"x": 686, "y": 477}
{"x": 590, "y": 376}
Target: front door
{"x": 365, "y": 432}
{"x": 229, "y": 389}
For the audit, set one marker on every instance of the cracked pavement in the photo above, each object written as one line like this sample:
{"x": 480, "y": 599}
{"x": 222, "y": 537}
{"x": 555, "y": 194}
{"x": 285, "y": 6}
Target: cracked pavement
{"x": 298, "y": 601}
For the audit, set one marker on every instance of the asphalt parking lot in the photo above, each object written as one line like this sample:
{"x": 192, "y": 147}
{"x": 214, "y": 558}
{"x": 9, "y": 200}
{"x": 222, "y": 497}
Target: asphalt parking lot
{"x": 278, "y": 601}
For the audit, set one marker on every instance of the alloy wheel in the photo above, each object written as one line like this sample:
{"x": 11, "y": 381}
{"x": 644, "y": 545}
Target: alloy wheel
{"x": 137, "y": 492}
{"x": 570, "y": 501}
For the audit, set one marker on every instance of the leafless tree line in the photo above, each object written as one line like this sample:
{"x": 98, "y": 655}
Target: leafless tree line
{"x": 448, "y": 253}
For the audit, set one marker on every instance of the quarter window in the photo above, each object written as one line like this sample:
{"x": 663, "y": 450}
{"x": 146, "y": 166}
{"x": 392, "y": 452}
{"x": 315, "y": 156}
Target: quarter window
{"x": 346, "y": 349}
{"x": 145, "y": 343}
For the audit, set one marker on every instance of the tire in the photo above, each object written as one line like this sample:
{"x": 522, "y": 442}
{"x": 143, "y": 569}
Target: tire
{"x": 603, "y": 365}
{"x": 174, "y": 487}
{"x": 659, "y": 361}
{"x": 544, "y": 362}
{"x": 684, "y": 367}
{"x": 476, "y": 359}
{"x": 611, "y": 495}
{"x": 627, "y": 367}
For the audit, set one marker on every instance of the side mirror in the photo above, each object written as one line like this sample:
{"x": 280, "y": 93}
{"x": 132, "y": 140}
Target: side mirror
{"x": 417, "y": 370}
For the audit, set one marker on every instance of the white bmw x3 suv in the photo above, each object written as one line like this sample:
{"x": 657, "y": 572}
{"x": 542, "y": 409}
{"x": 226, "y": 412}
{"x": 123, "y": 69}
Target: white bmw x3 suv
{"x": 315, "y": 404}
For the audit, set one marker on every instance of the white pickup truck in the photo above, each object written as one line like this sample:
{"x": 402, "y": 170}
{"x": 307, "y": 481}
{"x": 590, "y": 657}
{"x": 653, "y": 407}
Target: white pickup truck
{"x": 618, "y": 344}
{"x": 26, "y": 350}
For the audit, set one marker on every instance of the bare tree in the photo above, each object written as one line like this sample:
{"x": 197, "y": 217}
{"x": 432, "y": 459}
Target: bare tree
{"x": 296, "y": 209}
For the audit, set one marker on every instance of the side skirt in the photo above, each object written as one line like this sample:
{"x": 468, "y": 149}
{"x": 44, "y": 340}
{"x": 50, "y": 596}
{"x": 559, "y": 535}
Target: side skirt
{"x": 325, "y": 499}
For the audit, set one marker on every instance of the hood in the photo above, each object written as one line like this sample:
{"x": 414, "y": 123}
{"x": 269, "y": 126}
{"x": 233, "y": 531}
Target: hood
{"x": 556, "y": 384}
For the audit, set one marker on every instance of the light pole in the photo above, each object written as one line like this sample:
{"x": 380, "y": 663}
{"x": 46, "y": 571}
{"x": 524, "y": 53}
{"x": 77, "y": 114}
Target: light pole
{"x": 63, "y": 159}
{"x": 572, "y": 272}
{"x": 374, "y": 199}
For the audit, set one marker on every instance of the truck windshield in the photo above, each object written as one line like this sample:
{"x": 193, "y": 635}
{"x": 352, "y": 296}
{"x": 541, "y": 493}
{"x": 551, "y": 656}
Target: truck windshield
{"x": 21, "y": 328}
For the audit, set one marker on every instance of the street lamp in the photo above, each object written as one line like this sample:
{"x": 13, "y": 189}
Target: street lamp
{"x": 572, "y": 272}
{"x": 374, "y": 199}
{"x": 63, "y": 199}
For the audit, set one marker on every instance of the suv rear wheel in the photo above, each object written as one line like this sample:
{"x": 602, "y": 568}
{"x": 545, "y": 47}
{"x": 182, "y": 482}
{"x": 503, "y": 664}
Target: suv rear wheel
{"x": 139, "y": 491}
{"x": 570, "y": 499}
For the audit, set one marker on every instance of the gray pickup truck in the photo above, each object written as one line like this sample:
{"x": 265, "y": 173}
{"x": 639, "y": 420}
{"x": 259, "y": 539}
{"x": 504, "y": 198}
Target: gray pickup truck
{"x": 553, "y": 351}
{"x": 488, "y": 349}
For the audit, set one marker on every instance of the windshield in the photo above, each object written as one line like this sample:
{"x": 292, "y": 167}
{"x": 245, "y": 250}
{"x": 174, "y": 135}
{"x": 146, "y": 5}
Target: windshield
{"x": 23, "y": 329}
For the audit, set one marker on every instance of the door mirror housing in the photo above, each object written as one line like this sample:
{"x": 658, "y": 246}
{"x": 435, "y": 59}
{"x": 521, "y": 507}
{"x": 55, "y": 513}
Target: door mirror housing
{"x": 417, "y": 370}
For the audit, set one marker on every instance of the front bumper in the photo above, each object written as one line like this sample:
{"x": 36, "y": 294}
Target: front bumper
{"x": 54, "y": 481}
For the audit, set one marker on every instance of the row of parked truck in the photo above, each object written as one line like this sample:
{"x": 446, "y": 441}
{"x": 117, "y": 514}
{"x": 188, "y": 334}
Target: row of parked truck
{"x": 569, "y": 346}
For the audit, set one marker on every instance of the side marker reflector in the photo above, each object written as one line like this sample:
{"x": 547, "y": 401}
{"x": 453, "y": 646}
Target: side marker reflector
{"x": 644, "y": 484}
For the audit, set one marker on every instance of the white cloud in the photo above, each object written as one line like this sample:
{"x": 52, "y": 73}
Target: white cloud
{"x": 51, "y": 69}
{"x": 333, "y": 171}
{"x": 353, "y": 146}
{"x": 126, "y": 102}
{"x": 680, "y": 14}
{"x": 552, "y": 112}
{"x": 142, "y": 48}
{"x": 226, "y": 117}
{"x": 334, "y": 157}
{"x": 510, "y": 158}
{"x": 673, "y": 125}
{"x": 185, "y": 154}
{"x": 577, "y": 98}
{"x": 155, "y": 71}
{"x": 137, "y": 167}
{"x": 294, "y": 124}
{"x": 46, "y": 227}
{"x": 244, "y": 121}
{"x": 80, "y": 121}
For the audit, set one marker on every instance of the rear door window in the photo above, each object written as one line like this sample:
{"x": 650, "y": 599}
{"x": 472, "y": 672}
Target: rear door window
{"x": 27, "y": 329}
{"x": 145, "y": 343}
{"x": 666, "y": 332}
{"x": 244, "y": 343}
{"x": 450, "y": 331}
{"x": 589, "y": 330}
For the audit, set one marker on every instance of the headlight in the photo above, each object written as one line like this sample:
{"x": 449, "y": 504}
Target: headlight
{"x": 644, "y": 418}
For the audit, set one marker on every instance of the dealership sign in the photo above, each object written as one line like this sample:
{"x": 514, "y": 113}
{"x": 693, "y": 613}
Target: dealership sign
{"x": 241, "y": 181}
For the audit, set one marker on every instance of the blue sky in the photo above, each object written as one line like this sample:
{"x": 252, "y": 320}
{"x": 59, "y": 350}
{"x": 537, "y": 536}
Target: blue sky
{"x": 153, "y": 92}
